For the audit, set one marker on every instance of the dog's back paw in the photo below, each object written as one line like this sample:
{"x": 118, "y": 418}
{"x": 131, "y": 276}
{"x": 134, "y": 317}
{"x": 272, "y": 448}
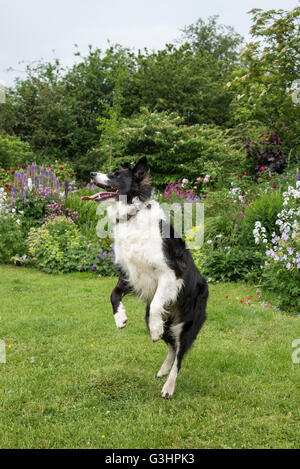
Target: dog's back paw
{"x": 120, "y": 317}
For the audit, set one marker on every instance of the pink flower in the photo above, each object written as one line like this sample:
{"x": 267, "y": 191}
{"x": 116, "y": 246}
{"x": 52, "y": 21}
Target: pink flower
{"x": 206, "y": 179}
{"x": 199, "y": 179}
{"x": 260, "y": 169}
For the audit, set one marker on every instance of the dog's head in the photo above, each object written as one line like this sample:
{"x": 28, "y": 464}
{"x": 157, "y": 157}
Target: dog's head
{"x": 123, "y": 184}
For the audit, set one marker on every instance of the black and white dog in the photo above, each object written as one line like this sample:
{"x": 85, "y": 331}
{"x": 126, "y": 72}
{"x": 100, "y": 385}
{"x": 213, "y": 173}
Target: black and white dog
{"x": 154, "y": 264}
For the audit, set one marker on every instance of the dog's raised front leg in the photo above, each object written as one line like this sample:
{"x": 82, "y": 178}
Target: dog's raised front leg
{"x": 119, "y": 311}
{"x": 166, "y": 292}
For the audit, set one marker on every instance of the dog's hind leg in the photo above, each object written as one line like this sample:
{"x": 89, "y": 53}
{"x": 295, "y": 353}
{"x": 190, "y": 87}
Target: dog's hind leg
{"x": 120, "y": 290}
{"x": 167, "y": 364}
{"x": 169, "y": 386}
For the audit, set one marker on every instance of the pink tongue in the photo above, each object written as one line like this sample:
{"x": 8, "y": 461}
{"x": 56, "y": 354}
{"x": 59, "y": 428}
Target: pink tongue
{"x": 99, "y": 195}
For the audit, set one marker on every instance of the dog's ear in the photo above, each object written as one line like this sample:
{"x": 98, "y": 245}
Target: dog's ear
{"x": 140, "y": 169}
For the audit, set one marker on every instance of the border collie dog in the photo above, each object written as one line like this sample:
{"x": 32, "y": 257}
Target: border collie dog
{"x": 153, "y": 263}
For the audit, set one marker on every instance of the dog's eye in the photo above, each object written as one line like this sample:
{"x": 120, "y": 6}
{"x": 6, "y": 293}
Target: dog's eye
{"x": 117, "y": 174}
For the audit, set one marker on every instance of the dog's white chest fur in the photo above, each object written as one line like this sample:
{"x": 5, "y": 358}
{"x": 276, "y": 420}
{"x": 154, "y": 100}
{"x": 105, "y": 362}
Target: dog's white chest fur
{"x": 139, "y": 248}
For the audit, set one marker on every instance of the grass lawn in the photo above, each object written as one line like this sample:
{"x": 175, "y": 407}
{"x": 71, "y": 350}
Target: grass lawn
{"x": 72, "y": 380}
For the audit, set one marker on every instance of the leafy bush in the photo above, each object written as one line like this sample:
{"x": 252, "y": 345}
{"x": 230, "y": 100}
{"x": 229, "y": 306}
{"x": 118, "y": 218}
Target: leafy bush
{"x": 281, "y": 271}
{"x": 264, "y": 209}
{"x": 266, "y": 153}
{"x": 6, "y": 178}
{"x": 175, "y": 151}
{"x": 228, "y": 264}
{"x": 63, "y": 170}
{"x": 14, "y": 152}
{"x": 11, "y": 234}
{"x": 12, "y": 240}
{"x": 34, "y": 205}
{"x": 58, "y": 246}
{"x": 87, "y": 220}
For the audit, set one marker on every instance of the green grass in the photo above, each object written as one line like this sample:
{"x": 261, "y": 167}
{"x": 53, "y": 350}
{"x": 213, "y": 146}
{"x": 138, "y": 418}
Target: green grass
{"x": 72, "y": 380}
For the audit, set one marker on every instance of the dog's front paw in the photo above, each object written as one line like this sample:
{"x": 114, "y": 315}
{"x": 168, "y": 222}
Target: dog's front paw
{"x": 120, "y": 317}
{"x": 156, "y": 330}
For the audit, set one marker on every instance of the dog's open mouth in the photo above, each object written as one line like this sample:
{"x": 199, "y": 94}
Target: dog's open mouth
{"x": 100, "y": 196}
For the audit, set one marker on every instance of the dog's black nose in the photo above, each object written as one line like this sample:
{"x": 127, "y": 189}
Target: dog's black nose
{"x": 93, "y": 174}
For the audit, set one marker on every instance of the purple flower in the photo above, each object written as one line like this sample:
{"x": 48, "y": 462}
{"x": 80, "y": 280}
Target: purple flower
{"x": 288, "y": 265}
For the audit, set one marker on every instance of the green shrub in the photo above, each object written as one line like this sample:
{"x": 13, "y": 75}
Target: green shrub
{"x": 264, "y": 209}
{"x": 228, "y": 264}
{"x": 13, "y": 152}
{"x": 285, "y": 284}
{"x": 57, "y": 246}
{"x": 63, "y": 170}
{"x": 34, "y": 206}
{"x": 6, "y": 177}
{"x": 175, "y": 151}
{"x": 12, "y": 240}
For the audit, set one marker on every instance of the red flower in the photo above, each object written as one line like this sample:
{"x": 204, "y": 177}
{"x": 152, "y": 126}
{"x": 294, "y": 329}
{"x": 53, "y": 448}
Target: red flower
{"x": 8, "y": 169}
{"x": 248, "y": 297}
{"x": 61, "y": 168}
{"x": 226, "y": 297}
{"x": 19, "y": 166}
{"x": 6, "y": 185}
{"x": 243, "y": 193}
{"x": 274, "y": 187}
{"x": 245, "y": 174}
{"x": 242, "y": 301}
{"x": 13, "y": 172}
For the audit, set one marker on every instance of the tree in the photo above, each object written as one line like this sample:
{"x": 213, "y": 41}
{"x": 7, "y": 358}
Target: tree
{"x": 220, "y": 41}
{"x": 179, "y": 79}
{"x": 57, "y": 110}
{"x": 174, "y": 150}
{"x": 271, "y": 66}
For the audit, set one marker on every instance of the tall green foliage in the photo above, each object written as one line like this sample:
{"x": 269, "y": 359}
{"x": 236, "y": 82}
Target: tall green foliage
{"x": 13, "y": 152}
{"x": 270, "y": 67}
{"x": 175, "y": 151}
